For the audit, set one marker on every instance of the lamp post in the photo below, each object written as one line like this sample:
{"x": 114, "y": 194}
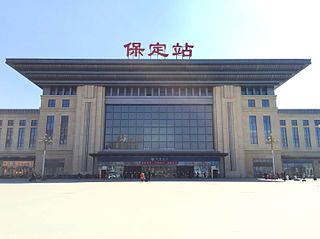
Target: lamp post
{"x": 44, "y": 140}
{"x": 271, "y": 141}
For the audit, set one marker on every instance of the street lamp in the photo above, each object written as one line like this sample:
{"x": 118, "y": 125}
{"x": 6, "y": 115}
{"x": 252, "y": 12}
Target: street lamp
{"x": 44, "y": 140}
{"x": 271, "y": 141}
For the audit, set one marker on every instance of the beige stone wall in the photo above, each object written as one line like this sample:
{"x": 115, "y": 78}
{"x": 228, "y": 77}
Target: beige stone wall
{"x": 57, "y": 150}
{"x": 94, "y": 95}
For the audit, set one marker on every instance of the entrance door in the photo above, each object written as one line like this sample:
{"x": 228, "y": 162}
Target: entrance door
{"x": 185, "y": 171}
{"x": 131, "y": 171}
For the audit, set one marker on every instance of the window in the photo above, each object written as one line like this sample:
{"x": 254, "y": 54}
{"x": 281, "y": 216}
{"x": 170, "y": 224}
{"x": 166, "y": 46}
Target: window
{"x": 294, "y": 122}
{"x": 264, "y": 91}
{"x": 34, "y": 122}
{"x": 182, "y": 91}
{"x": 52, "y": 103}
{"x": 21, "y": 137}
{"x": 267, "y": 127}
{"x": 162, "y": 91}
{"x": 50, "y": 125}
{"x": 256, "y": 91}
{"x": 295, "y": 137}
{"x": 121, "y": 91}
{"x": 33, "y": 137}
{"x": 203, "y": 91}
{"x": 114, "y": 91}
{"x": 10, "y": 122}
{"x": 282, "y": 123}
{"x": 265, "y": 103}
{"x": 284, "y": 141}
{"x": 253, "y": 129}
{"x": 305, "y": 122}
{"x": 135, "y": 91}
{"x": 73, "y": 91}
{"x": 196, "y": 91}
{"x": 67, "y": 91}
{"x": 251, "y": 103}
{"x": 317, "y": 129}
{"x": 243, "y": 90}
{"x": 307, "y": 141}
{"x": 53, "y": 91}
{"x": 0, "y": 122}
{"x": 9, "y": 137}
{"x": 128, "y": 91}
{"x": 65, "y": 103}
{"x": 60, "y": 91}
{"x": 64, "y": 129}
{"x": 250, "y": 91}
{"x": 0, "y": 133}
{"x": 142, "y": 92}
{"x": 22, "y": 123}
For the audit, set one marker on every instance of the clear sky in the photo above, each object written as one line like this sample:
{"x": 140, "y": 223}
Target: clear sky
{"x": 218, "y": 29}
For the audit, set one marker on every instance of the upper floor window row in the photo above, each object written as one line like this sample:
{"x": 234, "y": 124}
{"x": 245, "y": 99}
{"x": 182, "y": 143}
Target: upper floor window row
{"x": 63, "y": 91}
{"x": 52, "y": 103}
{"x": 158, "y": 91}
{"x": 21, "y": 122}
{"x": 257, "y": 90}
{"x": 295, "y": 122}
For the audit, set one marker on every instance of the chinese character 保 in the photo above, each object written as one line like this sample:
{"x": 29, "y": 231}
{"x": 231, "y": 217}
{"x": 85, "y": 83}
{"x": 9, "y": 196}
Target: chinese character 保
{"x": 135, "y": 50}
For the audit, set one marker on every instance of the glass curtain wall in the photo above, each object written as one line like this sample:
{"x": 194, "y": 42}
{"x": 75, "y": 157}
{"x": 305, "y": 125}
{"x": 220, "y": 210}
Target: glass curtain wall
{"x": 165, "y": 127}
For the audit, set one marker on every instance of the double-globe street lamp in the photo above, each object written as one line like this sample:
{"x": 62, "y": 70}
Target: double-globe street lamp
{"x": 272, "y": 141}
{"x": 45, "y": 140}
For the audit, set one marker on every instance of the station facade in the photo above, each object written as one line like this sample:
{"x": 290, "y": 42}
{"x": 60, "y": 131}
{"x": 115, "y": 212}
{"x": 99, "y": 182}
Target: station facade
{"x": 172, "y": 118}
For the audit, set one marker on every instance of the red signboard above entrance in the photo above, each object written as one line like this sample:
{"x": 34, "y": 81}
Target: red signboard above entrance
{"x": 158, "y": 162}
{"x": 135, "y": 49}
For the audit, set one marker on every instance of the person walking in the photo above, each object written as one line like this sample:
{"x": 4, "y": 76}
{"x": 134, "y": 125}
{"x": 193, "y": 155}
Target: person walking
{"x": 142, "y": 177}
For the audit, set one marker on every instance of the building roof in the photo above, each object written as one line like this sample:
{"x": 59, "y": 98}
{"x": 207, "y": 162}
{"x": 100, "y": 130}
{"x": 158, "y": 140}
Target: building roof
{"x": 299, "y": 111}
{"x": 19, "y": 111}
{"x": 73, "y": 72}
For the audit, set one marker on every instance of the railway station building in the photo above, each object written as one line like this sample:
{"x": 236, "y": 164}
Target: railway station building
{"x": 172, "y": 118}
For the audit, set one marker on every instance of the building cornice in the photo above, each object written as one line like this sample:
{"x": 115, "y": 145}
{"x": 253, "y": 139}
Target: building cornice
{"x": 74, "y": 72}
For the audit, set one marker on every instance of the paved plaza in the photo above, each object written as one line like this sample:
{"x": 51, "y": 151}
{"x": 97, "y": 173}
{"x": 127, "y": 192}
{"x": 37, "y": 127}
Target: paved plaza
{"x": 159, "y": 209}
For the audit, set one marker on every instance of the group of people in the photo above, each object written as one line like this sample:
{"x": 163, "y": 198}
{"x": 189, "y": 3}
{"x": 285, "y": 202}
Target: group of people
{"x": 145, "y": 177}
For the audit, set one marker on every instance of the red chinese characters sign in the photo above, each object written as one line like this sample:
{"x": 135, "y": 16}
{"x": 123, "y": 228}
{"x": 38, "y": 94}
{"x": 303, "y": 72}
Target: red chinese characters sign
{"x": 159, "y": 162}
{"x": 135, "y": 49}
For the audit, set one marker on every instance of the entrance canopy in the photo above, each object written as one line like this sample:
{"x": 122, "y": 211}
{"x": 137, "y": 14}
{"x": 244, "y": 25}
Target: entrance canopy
{"x": 157, "y": 156}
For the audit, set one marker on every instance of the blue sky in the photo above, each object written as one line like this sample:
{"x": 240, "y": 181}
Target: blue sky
{"x": 217, "y": 29}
